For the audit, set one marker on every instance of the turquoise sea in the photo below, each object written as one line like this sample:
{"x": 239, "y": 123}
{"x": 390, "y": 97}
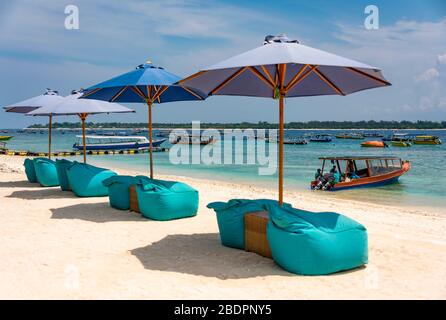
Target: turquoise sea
{"x": 424, "y": 185}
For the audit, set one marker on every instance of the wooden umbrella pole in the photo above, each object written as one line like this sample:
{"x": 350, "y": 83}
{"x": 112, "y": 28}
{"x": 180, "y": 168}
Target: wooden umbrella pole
{"x": 50, "y": 125}
{"x": 83, "y": 117}
{"x": 281, "y": 138}
{"x": 149, "y": 105}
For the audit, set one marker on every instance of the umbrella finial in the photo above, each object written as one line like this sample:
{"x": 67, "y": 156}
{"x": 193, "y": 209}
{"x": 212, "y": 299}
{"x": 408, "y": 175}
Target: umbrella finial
{"x": 280, "y": 38}
{"x": 50, "y": 92}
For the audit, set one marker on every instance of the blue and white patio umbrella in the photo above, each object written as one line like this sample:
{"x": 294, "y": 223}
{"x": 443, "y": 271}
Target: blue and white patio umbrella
{"x": 146, "y": 84}
{"x": 72, "y": 105}
{"x": 48, "y": 99}
{"x": 284, "y": 68}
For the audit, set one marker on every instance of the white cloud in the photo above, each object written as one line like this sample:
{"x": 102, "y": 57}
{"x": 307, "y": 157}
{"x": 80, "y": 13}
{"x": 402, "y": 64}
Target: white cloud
{"x": 428, "y": 75}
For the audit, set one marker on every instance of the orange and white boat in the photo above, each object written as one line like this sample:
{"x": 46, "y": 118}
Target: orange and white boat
{"x": 374, "y": 144}
{"x": 362, "y": 172}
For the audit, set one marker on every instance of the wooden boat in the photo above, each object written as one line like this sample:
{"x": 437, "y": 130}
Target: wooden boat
{"x": 297, "y": 141}
{"x": 191, "y": 139}
{"x": 321, "y": 138}
{"x": 372, "y": 135}
{"x": 363, "y": 171}
{"x": 354, "y": 136}
{"x": 400, "y": 143}
{"x": 292, "y": 141}
{"x": 374, "y": 144}
{"x": 426, "y": 140}
{"x": 96, "y": 143}
{"x": 5, "y": 138}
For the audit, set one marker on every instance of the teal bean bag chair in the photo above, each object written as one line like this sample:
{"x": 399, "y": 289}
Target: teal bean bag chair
{"x": 118, "y": 190}
{"x": 46, "y": 172}
{"x": 166, "y": 200}
{"x": 61, "y": 167}
{"x": 86, "y": 180}
{"x": 231, "y": 218}
{"x": 30, "y": 171}
{"x": 310, "y": 243}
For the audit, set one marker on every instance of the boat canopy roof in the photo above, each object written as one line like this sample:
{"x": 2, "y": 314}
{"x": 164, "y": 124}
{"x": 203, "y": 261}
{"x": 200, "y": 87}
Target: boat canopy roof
{"x": 359, "y": 158}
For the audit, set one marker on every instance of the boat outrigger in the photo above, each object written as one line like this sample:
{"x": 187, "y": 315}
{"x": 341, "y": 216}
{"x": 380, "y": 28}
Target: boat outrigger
{"x": 98, "y": 143}
{"x": 360, "y": 172}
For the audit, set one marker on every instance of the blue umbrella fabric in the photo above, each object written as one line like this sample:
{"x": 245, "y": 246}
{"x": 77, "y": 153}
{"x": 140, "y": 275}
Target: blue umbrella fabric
{"x": 283, "y": 68}
{"x": 147, "y": 84}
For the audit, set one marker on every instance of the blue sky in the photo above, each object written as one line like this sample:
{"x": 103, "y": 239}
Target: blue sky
{"x": 36, "y": 52}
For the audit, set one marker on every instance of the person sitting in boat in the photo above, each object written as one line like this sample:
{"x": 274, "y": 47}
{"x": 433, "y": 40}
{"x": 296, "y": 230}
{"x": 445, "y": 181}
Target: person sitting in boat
{"x": 318, "y": 174}
{"x": 320, "y": 180}
{"x": 351, "y": 172}
{"x": 331, "y": 179}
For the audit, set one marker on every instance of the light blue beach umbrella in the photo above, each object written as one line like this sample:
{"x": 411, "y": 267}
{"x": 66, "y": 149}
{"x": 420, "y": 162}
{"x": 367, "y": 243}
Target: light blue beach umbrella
{"x": 48, "y": 99}
{"x": 72, "y": 105}
{"x": 284, "y": 68}
{"x": 146, "y": 84}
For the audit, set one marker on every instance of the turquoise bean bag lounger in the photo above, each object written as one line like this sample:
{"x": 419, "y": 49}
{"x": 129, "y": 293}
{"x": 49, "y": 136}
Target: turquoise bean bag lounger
{"x": 231, "y": 218}
{"x": 30, "y": 171}
{"x": 46, "y": 172}
{"x": 61, "y": 167}
{"x": 118, "y": 190}
{"x": 166, "y": 200}
{"x": 86, "y": 180}
{"x": 310, "y": 243}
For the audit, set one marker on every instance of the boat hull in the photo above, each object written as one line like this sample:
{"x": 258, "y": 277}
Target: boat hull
{"x": 429, "y": 143}
{"x": 318, "y": 140}
{"x": 373, "y": 144}
{"x": 401, "y": 144}
{"x": 5, "y": 138}
{"x": 120, "y": 146}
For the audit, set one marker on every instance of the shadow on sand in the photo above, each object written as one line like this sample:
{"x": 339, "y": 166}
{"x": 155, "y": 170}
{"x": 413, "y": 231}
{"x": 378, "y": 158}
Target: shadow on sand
{"x": 95, "y": 212}
{"x": 42, "y": 193}
{"x": 18, "y": 184}
{"x": 203, "y": 255}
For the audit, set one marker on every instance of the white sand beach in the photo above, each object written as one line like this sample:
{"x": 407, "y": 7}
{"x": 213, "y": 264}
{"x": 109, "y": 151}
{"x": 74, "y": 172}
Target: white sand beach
{"x": 57, "y": 246}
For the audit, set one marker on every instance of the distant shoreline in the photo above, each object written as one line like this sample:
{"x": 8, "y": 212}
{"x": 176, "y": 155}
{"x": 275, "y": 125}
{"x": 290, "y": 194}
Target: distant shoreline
{"x": 170, "y": 128}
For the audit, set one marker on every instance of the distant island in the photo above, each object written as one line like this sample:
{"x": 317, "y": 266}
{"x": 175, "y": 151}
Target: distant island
{"x": 259, "y": 125}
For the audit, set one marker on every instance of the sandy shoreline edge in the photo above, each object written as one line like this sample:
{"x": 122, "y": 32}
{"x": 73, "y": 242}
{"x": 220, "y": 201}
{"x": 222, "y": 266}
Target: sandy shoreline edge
{"x": 55, "y": 245}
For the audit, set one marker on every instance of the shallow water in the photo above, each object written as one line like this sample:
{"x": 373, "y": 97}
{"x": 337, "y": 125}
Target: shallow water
{"x": 424, "y": 185}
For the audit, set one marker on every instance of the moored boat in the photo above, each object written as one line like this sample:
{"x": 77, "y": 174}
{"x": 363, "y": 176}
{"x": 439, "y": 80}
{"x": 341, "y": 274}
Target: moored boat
{"x": 321, "y": 138}
{"x": 372, "y": 135}
{"x": 374, "y": 144}
{"x": 426, "y": 140}
{"x": 192, "y": 139}
{"x": 5, "y": 138}
{"x": 360, "y": 172}
{"x": 353, "y": 136}
{"x": 400, "y": 143}
{"x": 96, "y": 143}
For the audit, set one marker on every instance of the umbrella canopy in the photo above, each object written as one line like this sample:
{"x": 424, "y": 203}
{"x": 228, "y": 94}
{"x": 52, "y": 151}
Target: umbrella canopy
{"x": 49, "y": 98}
{"x": 284, "y": 68}
{"x": 146, "y": 84}
{"x": 72, "y": 105}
